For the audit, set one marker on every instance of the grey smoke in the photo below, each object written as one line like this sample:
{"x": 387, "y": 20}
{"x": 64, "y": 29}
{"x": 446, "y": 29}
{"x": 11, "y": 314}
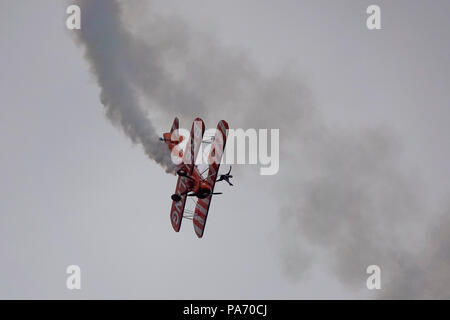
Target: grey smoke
{"x": 107, "y": 49}
{"x": 345, "y": 194}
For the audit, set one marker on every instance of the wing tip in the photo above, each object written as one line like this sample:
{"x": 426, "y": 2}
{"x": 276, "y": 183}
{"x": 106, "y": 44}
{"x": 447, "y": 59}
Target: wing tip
{"x": 225, "y": 124}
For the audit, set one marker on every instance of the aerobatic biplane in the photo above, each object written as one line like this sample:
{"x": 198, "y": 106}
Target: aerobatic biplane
{"x": 191, "y": 181}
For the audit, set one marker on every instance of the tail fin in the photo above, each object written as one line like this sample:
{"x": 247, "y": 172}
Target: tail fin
{"x": 174, "y": 128}
{"x": 175, "y": 125}
{"x": 168, "y": 138}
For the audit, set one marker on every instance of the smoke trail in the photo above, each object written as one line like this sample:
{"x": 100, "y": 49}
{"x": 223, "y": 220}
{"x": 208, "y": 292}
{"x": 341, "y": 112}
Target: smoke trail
{"x": 349, "y": 199}
{"x": 107, "y": 47}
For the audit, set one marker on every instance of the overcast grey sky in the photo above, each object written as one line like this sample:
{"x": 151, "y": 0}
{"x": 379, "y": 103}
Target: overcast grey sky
{"x": 75, "y": 190}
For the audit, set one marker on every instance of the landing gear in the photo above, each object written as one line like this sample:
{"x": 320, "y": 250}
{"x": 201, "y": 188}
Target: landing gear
{"x": 178, "y": 196}
{"x": 203, "y": 193}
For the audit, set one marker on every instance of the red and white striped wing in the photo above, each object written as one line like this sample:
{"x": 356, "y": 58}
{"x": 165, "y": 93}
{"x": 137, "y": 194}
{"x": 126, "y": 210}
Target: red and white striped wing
{"x": 176, "y": 212}
{"x": 191, "y": 151}
{"x": 214, "y": 158}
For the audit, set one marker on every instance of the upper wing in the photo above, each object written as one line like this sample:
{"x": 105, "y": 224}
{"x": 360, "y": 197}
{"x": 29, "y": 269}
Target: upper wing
{"x": 190, "y": 154}
{"x": 215, "y": 155}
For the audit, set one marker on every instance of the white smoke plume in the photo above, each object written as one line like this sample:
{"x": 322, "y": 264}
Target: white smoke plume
{"x": 348, "y": 198}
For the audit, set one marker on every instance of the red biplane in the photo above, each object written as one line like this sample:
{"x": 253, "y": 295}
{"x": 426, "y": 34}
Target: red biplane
{"x": 191, "y": 181}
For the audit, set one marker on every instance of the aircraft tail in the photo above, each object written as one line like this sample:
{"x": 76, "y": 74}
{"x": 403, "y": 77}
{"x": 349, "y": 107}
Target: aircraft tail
{"x": 175, "y": 125}
{"x": 167, "y": 137}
